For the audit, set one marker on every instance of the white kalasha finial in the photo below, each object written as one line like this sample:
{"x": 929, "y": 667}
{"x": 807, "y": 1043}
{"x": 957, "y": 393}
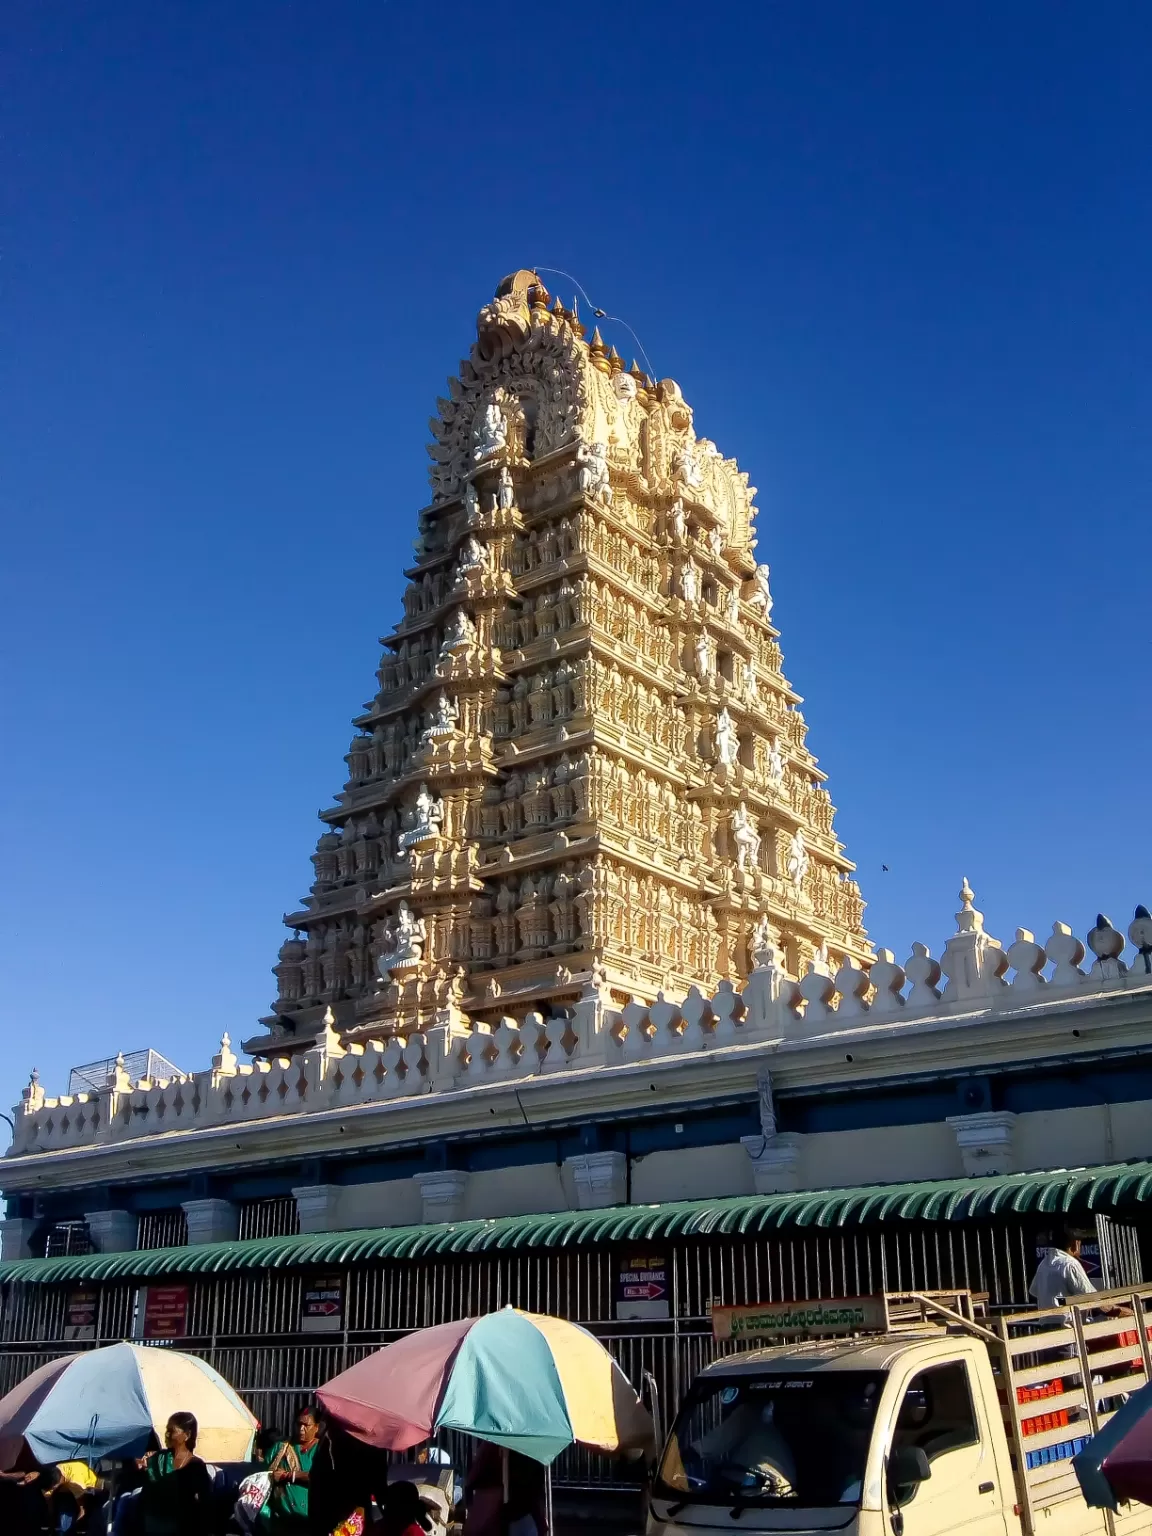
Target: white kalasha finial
{"x": 968, "y": 920}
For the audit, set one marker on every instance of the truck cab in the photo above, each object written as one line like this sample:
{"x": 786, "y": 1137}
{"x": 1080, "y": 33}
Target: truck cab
{"x": 887, "y": 1437}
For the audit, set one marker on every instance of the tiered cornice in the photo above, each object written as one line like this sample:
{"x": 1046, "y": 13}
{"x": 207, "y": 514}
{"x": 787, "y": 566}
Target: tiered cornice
{"x": 584, "y": 764}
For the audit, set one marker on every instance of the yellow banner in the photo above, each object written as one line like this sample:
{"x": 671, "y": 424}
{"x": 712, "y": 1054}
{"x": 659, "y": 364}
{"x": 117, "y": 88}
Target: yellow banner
{"x": 843, "y": 1314}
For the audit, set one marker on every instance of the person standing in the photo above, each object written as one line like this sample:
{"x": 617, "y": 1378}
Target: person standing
{"x": 1060, "y": 1273}
{"x": 176, "y": 1499}
{"x": 289, "y": 1472}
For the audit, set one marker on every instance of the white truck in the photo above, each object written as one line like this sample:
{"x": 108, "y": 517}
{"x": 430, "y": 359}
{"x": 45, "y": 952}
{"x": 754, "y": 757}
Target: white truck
{"x": 910, "y": 1415}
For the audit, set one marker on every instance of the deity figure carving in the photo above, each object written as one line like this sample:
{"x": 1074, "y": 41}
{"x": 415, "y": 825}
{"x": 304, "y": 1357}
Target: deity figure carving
{"x": 405, "y": 937}
{"x": 703, "y": 654}
{"x": 798, "y": 859}
{"x": 715, "y": 542}
{"x": 592, "y": 459}
{"x": 473, "y": 555}
{"x": 746, "y": 838}
{"x": 423, "y": 821}
{"x": 749, "y": 684}
{"x": 690, "y": 582}
{"x": 775, "y": 763}
{"x": 761, "y": 593}
{"x": 727, "y": 741}
{"x": 471, "y": 503}
{"x": 686, "y": 468}
{"x": 762, "y": 943}
{"x": 442, "y": 721}
{"x": 678, "y": 522}
{"x": 732, "y": 608}
{"x": 624, "y": 387}
{"x": 505, "y": 490}
{"x": 490, "y": 432}
{"x": 459, "y": 633}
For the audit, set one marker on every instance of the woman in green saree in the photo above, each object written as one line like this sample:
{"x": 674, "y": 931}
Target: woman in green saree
{"x": 289, "y": 1467}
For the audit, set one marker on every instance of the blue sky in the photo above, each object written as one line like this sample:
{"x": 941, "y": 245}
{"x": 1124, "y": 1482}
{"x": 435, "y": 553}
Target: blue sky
{"x": 896, "y": 255}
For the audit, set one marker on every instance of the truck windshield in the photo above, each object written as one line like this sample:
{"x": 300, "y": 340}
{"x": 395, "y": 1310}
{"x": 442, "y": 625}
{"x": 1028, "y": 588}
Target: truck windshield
{"x": 796, "y": 1440}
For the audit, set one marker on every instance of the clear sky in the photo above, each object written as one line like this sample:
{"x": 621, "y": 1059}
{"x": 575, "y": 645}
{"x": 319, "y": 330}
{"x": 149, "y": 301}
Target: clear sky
{"x": 895, "y": 254}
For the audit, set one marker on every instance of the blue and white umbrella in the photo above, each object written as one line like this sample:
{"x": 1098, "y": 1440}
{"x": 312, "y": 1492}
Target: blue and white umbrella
{"x": 109, "y": 1402}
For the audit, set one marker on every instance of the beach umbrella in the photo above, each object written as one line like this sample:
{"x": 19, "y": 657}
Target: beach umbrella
{"x": 108, "y": 1402}
{"x": 530, "y": 1383}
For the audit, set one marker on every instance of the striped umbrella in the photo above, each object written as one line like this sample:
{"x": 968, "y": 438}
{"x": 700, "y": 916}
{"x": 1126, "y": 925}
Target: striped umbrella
{"x": 108, "y": 1402}
{"x": 534, "y": 1384}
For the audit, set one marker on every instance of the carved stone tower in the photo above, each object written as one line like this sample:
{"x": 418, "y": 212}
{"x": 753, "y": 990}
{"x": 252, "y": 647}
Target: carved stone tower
{"x": 584, "y": 767}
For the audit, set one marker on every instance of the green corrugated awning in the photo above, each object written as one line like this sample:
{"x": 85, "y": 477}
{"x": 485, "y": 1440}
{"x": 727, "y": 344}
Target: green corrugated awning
{"x": 1117, "y": 1186}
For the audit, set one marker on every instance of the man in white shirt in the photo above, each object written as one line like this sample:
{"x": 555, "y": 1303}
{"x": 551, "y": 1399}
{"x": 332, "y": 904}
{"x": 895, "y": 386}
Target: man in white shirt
{"x": 1060, "y": 1274}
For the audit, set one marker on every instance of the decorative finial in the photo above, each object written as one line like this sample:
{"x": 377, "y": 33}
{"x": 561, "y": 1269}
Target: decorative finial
{"x": 1105, "y": 942}
{"x": 1140, "y": 933}
{"x": 35, "y": 1076}
{"x": 119, "y": 1061}
{"x": 968, "y": 919}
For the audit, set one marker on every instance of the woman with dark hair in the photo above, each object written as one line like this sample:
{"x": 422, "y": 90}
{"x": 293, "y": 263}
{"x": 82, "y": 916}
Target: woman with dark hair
{"x": 176, "y": 1499}
{"x": 290, "y": 1473}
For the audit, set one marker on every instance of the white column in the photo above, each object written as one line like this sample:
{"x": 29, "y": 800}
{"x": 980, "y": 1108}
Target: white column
{"x": 16, "y": 1237}
{"x": 601, "y": 1179}
{"x": 112, "y": 1231}
{"x": 212, "y": 1221}
{"x": 777, "y": 1162}
{"x": 443, "y": 1194}
{"x": 317, "y": 1206}
{"x": 987, "y": 1141}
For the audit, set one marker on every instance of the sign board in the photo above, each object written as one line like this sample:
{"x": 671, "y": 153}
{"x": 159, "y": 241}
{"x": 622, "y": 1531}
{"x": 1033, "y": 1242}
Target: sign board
{"x": 164, "y": 1310}
{"x": 80, "y": 1315}
{"x": 843, "y": 1314}
{"x": 322, "y": 1305}
{"x": 643, "y": 1286}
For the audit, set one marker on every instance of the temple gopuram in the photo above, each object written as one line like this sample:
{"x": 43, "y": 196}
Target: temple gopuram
{"x": 584, "y": 765}
{"x": 579, "y": 1013}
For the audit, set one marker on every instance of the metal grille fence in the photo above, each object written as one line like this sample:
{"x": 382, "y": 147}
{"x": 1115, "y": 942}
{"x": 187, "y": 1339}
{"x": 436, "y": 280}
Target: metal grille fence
{"x": 67, "y": 1237}
{"x": 278, "y": 1217}
{"x": 248, "y": 1324}
{"x": 162, "y": 1229}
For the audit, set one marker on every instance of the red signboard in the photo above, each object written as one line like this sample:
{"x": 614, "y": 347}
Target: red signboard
{"x": 322, "y": 1305}
{"x": 80, "y": 1322}
{"x": 642, "y": 1286}
{"x": 165, "y": 1312}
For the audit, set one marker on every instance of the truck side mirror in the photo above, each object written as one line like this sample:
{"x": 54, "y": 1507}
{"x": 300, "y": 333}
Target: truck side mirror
{"x": 907, "y": 1466}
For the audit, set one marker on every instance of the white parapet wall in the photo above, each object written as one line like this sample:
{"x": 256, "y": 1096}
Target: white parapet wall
{"x": 873, "y": 1019}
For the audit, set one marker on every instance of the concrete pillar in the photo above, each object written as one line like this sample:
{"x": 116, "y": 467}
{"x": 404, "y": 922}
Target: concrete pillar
{"x": 601, "y": 1179}
{"x": 987, "y": 1141}
{"x": 317, "y": 1206}
{"x": 442, "y": 1192}
{"x": 16, "y": 1237}
{"x": 212, "y": 1221}
{"x": 112, "y": 1231}
{"x": 777, "y": 1162}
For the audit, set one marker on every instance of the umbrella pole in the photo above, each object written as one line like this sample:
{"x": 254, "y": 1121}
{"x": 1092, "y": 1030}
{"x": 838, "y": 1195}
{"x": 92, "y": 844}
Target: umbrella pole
{"x": 548, "y": 1497}
{"x": 504, "y": 1472}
